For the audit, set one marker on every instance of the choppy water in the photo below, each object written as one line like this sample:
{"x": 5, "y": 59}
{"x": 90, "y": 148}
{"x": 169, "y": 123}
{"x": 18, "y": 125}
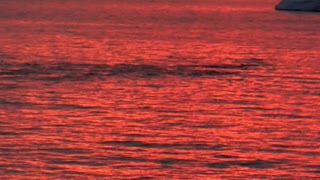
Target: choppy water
{"x": 158, "y": 90}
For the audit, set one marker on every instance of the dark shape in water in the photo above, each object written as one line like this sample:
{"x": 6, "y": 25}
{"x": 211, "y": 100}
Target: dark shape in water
{"x": 299, "y": 5}
{"x": 257, "y": 164}
{"x": 76, "y": 72}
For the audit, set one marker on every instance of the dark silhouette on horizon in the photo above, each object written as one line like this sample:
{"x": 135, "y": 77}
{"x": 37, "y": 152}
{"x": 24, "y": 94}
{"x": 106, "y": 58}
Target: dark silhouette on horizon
{"x": 299, "y": 5}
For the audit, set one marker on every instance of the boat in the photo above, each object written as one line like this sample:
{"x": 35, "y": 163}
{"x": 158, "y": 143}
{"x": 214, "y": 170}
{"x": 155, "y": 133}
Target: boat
{"x": 299, "y": 5}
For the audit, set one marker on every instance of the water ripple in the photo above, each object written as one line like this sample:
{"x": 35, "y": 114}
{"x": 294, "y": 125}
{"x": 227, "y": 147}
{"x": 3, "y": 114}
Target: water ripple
{"x": 78, "y": 72}
{"x": 198, "y": 146}
{"x": 257, "y": 164}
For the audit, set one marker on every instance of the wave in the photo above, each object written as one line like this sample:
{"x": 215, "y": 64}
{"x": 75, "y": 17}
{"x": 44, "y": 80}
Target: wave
{"x": 257, "y": 164}
{"x": 76, "y": 72}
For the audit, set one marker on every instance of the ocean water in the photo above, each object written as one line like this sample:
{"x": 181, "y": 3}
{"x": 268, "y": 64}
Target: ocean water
{"x": 156, "y": 89}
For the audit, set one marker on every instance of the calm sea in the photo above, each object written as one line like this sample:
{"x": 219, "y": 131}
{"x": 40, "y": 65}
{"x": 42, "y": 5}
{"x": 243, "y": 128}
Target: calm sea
{"x": 158, "y": 89}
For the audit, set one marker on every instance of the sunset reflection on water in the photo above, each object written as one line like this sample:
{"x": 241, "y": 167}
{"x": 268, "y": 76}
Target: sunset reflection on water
{"x": 158, "y": 90}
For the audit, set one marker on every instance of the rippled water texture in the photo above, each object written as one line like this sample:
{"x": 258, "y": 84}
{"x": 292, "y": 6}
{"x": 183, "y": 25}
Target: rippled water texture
{"x": 158, "y": 90}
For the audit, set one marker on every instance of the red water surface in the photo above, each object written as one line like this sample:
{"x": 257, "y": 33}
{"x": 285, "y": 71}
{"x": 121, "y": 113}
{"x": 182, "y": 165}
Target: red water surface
{"x": 158, "y": 90}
